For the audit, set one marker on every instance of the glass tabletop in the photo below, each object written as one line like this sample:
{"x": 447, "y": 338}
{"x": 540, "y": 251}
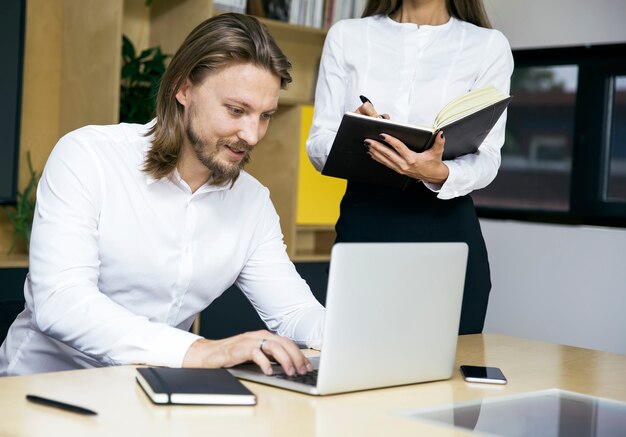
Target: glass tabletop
{"x": 544, "y": 413}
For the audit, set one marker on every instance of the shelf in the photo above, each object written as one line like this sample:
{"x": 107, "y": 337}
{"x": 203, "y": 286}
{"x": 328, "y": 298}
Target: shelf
{"x": 277, "y": 26}
{"x": 13, "y": 261}
{"x": 313, "y": 242}
{"x": 304, "y": 258}
{"x": 282, "y": 25}
{"x": 286, "y": 100}
{"x": 300, "y": 33}
{"x": 316, "y": 228}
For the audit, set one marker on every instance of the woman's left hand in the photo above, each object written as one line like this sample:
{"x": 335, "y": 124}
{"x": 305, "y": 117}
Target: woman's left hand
{"x": 427, "y": 166}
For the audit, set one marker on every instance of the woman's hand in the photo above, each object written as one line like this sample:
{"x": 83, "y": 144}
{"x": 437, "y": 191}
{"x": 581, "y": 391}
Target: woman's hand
{"x": 257, "y": 346}
{"x": 368, "y": 109}
{"x": 427, "y": 166}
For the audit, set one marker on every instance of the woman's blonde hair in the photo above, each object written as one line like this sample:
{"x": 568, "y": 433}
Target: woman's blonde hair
{"x": 212, "y": 45}
{"x": 472, "y": 11}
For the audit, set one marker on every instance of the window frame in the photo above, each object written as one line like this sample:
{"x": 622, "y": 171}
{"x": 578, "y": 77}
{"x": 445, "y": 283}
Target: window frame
{"x": 13, "y": 21}
{"x": 597, "y": 67}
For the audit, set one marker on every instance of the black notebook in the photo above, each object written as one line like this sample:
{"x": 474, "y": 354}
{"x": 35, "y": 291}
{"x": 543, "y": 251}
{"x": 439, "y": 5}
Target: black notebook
{"x": 466, "y": 121}
{"x": 193, "y": 386}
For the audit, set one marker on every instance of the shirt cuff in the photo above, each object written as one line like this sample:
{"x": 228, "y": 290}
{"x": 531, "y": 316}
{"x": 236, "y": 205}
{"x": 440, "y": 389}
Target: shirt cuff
{"x": 316, "y": 334}
{"x": 445, "y": 191}
{"x": 173, "y": 345}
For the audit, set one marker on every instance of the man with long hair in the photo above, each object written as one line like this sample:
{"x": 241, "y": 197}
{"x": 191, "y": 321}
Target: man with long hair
{"x": 140, "y": 227}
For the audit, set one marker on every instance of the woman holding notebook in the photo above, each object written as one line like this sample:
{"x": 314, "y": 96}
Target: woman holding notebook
{"x": 405, "y": 60}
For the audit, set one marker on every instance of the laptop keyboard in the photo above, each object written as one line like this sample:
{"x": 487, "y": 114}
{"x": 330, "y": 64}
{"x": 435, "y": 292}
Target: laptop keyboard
{"x": 308, "y": 379}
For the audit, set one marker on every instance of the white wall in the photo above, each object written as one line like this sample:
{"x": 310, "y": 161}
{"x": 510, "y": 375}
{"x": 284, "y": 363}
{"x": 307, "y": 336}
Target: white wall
{"x": 552, "y": 23}
{"x": 564, "y": 284}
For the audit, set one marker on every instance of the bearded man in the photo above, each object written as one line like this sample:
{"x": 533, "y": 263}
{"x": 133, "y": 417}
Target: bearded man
{"x": 138, "y": 228}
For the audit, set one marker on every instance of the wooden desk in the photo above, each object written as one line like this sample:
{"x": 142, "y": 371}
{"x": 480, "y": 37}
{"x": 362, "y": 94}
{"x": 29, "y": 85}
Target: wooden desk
{"x": 125, "y": 410}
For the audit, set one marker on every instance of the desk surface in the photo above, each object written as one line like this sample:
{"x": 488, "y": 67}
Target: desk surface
{"x": 124, "y": 409}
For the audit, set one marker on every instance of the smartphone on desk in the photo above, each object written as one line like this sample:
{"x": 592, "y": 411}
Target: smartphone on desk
{"x": 488, "y": 375}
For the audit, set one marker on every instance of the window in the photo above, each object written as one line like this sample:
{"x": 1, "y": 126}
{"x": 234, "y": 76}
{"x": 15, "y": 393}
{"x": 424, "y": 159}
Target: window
{"x": 537, "y": 153}
{"x": 617, "y": 160}
{"x": 564, "y": 156}
{"x": 12, "y": 25}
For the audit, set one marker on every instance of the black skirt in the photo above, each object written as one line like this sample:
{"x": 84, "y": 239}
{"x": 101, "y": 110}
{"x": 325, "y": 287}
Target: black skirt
{"x": 379, "y": 214}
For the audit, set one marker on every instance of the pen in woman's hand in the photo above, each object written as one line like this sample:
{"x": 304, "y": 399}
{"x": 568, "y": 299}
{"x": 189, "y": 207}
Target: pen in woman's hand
{"x": 365, "y": 100}
{"x": 60, "y": 405}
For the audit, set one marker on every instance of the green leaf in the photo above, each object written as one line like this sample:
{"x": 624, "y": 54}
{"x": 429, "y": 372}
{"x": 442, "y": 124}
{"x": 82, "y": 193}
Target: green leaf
{"x": 140, "y": 79}
{"x": 21, "y": 215}
{"x": 128, "y": 49}
{"x": 147, "y": 53}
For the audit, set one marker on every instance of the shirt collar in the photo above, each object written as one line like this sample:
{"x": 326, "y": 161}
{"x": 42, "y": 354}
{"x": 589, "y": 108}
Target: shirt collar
{"x": 413, "y": 26}
{"x": 175, "y": 177}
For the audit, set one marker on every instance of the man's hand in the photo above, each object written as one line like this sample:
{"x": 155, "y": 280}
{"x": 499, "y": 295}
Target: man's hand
{"x": 257, "y": 346}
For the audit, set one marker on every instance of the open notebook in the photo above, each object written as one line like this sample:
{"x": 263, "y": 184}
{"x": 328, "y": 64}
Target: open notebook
{"x": 466, "y": 121}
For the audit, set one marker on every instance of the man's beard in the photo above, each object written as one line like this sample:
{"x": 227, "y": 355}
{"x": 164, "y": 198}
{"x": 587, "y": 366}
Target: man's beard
{"x": 221, "y": 172}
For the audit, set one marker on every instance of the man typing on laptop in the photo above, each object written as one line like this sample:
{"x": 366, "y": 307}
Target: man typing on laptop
{"x": 139, "y": 228}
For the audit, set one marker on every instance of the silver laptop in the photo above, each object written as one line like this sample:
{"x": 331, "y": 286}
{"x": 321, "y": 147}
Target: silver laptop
{"x": 392, "y": 318}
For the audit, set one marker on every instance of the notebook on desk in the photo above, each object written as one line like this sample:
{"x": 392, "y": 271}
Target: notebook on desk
{"x": 392, "y": 318}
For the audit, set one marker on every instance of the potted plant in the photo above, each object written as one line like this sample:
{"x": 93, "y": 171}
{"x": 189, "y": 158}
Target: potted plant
{"x": 141, "y": 76}
{"x": 21, "y": 215}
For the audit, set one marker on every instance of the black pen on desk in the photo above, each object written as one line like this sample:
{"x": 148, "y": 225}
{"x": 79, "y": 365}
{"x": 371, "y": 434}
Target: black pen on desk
{"x": 60, "y": 405}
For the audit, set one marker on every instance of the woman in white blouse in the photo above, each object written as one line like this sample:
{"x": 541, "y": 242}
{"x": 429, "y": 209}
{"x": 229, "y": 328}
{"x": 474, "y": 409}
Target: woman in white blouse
{"x": 410, "y": 58}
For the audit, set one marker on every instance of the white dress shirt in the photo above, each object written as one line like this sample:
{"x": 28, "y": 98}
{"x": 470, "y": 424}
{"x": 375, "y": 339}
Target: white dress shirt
{"x": 120, "y": 263}
{"x": 411, "y": 72}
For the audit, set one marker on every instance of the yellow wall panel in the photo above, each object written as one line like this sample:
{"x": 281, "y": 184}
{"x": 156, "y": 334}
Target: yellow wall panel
{"x": 318, "y": 196}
